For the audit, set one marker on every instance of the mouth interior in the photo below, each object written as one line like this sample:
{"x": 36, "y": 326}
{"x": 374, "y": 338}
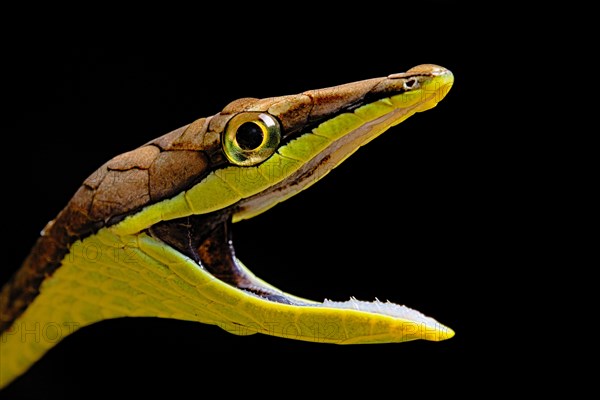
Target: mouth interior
{"x": 206, "y": 239}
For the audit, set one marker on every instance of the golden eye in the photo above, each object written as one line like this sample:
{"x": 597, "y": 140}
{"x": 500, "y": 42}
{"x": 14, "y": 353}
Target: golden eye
{"x": 250, "y": 138}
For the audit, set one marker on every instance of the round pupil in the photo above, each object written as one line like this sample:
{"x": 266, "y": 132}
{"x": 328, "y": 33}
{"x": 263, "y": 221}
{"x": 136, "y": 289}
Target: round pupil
{"x": 249, "y": 136}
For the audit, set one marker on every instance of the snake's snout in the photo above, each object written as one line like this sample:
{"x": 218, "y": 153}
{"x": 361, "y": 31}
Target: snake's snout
{"x": 428, "y": 69}
{"x": 434, "y": 81}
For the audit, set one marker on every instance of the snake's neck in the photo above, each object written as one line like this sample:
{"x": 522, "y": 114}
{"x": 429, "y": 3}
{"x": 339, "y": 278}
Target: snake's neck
{"x": 102, "y": 277}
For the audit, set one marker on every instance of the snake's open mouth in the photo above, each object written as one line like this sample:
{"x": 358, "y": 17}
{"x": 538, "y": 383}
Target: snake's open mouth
{"x": 200, "y": 226}
{"x": 207, "y": 240}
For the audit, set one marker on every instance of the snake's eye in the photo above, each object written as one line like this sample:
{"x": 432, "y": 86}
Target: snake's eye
{"x": 250, "y": 138}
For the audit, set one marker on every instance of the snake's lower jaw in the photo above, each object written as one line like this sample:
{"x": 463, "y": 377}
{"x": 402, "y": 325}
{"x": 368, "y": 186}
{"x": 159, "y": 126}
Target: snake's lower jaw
{"x": 342, "y": 322}
{"x": 349, "y": 322}
{"x": 242, "y": 303}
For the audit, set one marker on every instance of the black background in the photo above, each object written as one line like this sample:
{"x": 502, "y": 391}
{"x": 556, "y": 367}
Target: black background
{"x": 408, "y": 218}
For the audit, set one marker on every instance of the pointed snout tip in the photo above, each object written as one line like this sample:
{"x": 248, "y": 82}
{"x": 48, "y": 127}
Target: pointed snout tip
{"x": 445, "y": 333}
{"x": 429, "y": 69}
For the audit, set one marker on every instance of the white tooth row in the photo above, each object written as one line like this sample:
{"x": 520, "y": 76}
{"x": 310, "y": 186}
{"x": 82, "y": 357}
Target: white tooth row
{"x": 385, "y": 308}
